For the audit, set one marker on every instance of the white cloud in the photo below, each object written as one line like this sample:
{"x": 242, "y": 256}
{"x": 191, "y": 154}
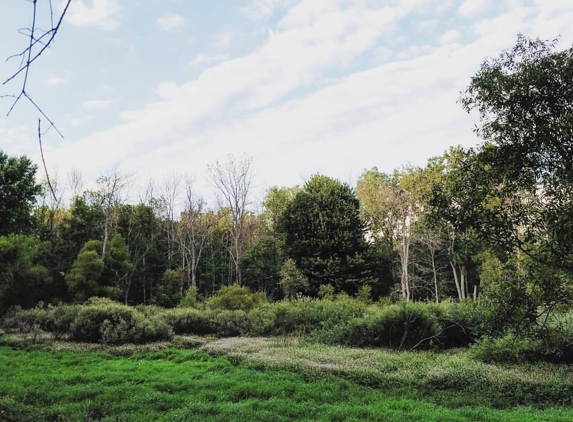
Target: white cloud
{"x": 80, "y": 121}
{"x": 450, "y": 37}
{"x": 473, "y": 8}
{"x": 56, "y": 80}
{"x": 223, "y": 40}
{"x": 101, "y": 14}
{"x": 383, "y": 54}
{"x": 282, "y": 104}
{"x": 427, "y": 26}
{"x": 97, "y": 104}
{"x": 209, "y": 59}
{"x": 258, "y": 10}
{"x": 170, "y": 21}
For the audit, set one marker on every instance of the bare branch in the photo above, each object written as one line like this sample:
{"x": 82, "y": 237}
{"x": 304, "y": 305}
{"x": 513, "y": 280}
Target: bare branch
{"x": 36, "y": 47}
{"x": 44, "y": 161}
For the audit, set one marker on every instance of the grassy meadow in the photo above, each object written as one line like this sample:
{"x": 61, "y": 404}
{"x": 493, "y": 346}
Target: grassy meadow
{"x": 269, "y": 379}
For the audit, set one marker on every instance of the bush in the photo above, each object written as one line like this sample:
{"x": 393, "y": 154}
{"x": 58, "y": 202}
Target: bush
{"x": 400, "y": 326}
{"x": 102, "y": 320}
{"x": 234, "y": 298}
{"x": 552, "y": 342}
{"x": 262, "y": 320}
{"x": 190, "y": 321}
{"x": 25, "y": 321}
{"x": 62, "y": 318}
{"x": 463, "y": 323}
{"x": 306, "y": 316}
{"x": 231, "y": 323}
{"x": 508, "y": 348}
{"x": 190, "y": 299}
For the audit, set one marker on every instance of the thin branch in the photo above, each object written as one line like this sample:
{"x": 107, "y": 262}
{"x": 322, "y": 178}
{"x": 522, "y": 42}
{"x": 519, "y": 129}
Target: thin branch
{"x": 31, "y": 53}
{"x": 44, "y": 161}
{"x": 52, "y": 32}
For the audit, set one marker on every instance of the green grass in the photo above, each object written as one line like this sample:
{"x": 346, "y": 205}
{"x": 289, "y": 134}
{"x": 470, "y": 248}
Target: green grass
{"x": 185, "y": 385}
{"x": 451, "y": 378}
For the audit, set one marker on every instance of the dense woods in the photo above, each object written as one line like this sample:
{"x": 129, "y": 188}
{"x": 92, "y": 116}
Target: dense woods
{"x": 480, "y": 239}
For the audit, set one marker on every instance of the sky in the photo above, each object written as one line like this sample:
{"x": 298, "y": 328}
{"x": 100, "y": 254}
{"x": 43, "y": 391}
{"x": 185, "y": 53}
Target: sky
{"x": 163, "y": 87}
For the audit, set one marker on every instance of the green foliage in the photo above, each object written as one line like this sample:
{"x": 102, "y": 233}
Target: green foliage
{"x": 22, "y": 278}
{"x": 83, "y": 278}
{"x": 190, "y": 321}
{"x": 190, "y": 299}
{"x": 308, "y": 316}
{"x": 508, "y": 348}
{"x": 28, "y": 320}
{"x": 324, "y": 235}
{"x": 235, "y": 297}
{"x": 18, "y": 191}
{"x": 61, "y": 319}
{"x": 169, "y": 291}
{"x": 326, "y": 292}
{"x": 231, "y": 323}
{"x": 117, "y": 263}
{"x": 365, "y": 295}
{"x": 462, "y": 322}
{"x": 491, "y": 272}
{"x": 275, "y": 203}
{"x": 400, "y": 326}
{"x": 102, "y": 320}
{"x": 515, "y": 191}
{"x": 293, "y": 281}
{"x": 261, "y": 265}
{"x": 552, "y": 341}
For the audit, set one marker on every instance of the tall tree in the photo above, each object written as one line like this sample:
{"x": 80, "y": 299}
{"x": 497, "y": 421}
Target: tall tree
{"x": 233, "y": 181}
{"x": 18, "y": 191}
{"x": 118, "y": 264}
{"x": 525, "y": 98}
{"x": 111, "y": 192}
{"x": 83, "y": 278}
{"x": 195, "y": 227}
{"x": 451, "y": 201}
{"x": 391, "y": 205}
{"x": 325, "y": 237}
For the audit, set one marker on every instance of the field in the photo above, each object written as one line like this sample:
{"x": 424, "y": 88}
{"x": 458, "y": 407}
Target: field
{"x": 278, "y": 379}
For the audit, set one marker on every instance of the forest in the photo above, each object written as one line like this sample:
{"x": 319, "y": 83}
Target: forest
{"x": 474, "y": 250}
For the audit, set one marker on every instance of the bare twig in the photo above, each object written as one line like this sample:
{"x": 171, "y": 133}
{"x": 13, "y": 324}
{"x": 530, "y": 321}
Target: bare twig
{"x": 36, "y": 47}
{"x": 44, "y": 161}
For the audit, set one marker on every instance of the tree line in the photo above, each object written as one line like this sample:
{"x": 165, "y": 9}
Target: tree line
{"x": 491, "y": 221}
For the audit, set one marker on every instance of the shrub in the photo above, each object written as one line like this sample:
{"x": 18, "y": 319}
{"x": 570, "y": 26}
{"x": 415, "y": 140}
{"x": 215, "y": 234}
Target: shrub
{"x": 234, "y": 298}
{"x": 405, "y": 325}
{"x": 231, "y": 323}
{"x": 190, "y": 321}
{"x": 262, "y": 320}
{"x": 463, "y": 323}
{"x": 25, "y": 321}
{"x": 552, "y": 342}
{"x": 190, "y": 299}
{"x": 102, "y": 320}
{"x": 508, "y": 348}
{"x": 306, "y": 316}
{"x": 62, "y": 318}
{"x": 365, "y": 294}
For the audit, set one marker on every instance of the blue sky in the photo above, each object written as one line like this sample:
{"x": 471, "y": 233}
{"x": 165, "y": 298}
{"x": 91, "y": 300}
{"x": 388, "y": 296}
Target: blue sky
{"x": 302, "y": 86}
